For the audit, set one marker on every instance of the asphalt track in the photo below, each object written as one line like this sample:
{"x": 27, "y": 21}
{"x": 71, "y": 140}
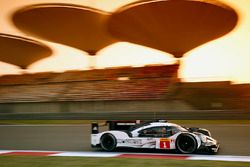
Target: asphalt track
{"x": 234, "y": 138}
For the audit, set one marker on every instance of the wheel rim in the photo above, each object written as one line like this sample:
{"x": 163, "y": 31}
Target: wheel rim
{"x": 186, "y": 144}
{"x": 108, "y": 143}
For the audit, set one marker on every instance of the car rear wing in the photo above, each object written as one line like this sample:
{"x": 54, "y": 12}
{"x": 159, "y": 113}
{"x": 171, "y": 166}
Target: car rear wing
{"x": 120, "y": 124}
{"x": 114, "y": 125}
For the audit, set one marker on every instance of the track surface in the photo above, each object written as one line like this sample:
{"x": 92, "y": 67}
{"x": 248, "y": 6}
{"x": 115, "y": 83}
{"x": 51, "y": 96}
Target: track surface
{"x": 234, "y": 139}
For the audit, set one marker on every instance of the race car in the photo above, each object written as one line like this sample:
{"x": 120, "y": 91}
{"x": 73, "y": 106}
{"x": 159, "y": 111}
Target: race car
{"x": 156, "y": 135}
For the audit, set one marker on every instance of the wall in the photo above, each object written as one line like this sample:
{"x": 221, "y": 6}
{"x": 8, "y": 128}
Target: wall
{"x": 96, "y": 106}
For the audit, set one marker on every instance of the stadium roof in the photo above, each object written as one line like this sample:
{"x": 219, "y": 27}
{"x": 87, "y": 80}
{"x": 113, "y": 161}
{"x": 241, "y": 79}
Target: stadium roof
{"x": 173, "y": 26}
{"x": 73, "y": 25}
{"x": 21, "y": 51}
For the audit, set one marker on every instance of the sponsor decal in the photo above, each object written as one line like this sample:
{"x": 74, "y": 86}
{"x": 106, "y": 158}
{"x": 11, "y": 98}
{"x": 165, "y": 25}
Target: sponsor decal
{"x": 150, "y": 139}
{"x": 121, "y": 123}
{"x": 165, "y": 143}
{"x": 131, "y": 141}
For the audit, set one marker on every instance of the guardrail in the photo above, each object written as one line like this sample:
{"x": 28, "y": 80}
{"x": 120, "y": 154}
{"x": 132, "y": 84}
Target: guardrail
{"x": 170, "y": 115}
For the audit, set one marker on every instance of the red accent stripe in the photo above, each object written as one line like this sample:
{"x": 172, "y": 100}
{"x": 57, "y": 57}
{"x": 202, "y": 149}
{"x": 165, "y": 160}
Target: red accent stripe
{"x": 152, "y": 156}
{"x": 30, "y": 153}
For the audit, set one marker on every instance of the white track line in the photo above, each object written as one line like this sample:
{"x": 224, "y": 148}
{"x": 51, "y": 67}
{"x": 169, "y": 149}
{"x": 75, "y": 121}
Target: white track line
{"x": 221, "y": 158}
{"x": 114, "y": 154}
{"x": 4, "y": 151}
{"x": 86, "y": 154}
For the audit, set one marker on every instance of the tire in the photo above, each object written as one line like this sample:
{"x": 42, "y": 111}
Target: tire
{"x": 186, "y": 144}
{"x": 108, "y": 142}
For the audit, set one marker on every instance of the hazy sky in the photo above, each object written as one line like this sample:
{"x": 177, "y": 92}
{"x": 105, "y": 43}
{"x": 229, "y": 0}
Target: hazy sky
{"x": 227, "y": 58}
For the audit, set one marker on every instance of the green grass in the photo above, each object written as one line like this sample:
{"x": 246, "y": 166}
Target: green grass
{"x": 102, "y": 121}
{"x": 36, "y": 161}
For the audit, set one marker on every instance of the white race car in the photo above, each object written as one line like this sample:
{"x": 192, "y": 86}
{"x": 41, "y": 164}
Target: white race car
{"x": 156, "y": 135}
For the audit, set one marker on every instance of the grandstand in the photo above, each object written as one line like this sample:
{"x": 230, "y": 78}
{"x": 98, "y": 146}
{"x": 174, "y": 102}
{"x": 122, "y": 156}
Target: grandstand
{"x": 215, "y": 95}
{"x": 123, "y": 88}
{"x": 150, "y": 88}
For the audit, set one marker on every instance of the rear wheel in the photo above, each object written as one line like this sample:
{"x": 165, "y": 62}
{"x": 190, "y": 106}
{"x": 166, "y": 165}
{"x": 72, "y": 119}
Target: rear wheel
{"x": 108, "y": 142}
{"x": 186, "y": 144}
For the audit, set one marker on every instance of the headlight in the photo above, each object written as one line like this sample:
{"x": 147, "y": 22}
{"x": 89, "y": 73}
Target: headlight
{"x": 203, "y": 138}
{"x": 209, "y": 140}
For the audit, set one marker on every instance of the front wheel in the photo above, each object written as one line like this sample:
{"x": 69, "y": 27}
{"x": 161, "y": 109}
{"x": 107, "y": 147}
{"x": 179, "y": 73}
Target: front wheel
{"x": 186, "y": 144}
{"x": 108, "y": 142}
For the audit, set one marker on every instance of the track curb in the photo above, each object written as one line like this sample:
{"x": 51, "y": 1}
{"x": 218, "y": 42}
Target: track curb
{"x": 124, "y": 155}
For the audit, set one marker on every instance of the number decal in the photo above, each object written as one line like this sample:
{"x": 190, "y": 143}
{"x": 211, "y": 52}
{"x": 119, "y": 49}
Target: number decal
{"x": 164, "y": 143}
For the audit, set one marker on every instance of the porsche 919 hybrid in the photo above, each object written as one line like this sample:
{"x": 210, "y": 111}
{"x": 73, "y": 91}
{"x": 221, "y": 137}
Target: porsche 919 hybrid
{"x": 156, "y": 135}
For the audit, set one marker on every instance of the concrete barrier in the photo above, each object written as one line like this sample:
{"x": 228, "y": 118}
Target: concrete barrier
{"x": 169, "y": 115}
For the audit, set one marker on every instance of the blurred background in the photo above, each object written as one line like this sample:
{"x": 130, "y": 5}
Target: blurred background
{"x": 225, "y": 58}
{"x": 213, "y": 74}
{"x": 123, "y": 60}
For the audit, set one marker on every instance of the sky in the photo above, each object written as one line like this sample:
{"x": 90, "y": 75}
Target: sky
{"x": 226, "y": 58}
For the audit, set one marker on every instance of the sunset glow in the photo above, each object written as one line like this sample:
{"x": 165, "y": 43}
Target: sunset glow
{"x": 227, "y": 58}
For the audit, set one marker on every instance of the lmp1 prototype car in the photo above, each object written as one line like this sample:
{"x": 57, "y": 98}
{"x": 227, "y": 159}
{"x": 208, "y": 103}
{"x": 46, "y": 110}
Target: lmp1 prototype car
{"x": 156, "y": 135}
